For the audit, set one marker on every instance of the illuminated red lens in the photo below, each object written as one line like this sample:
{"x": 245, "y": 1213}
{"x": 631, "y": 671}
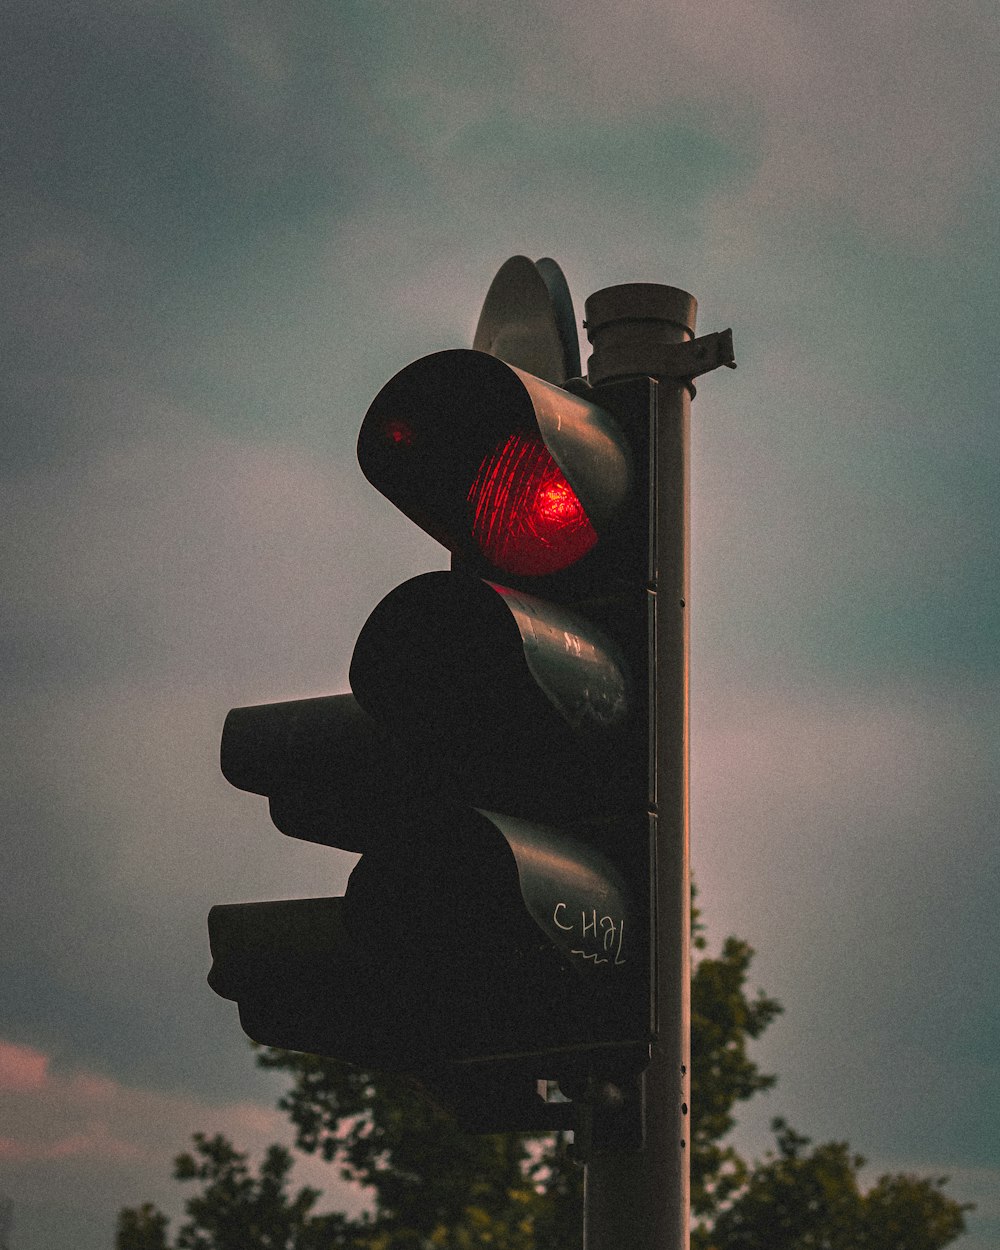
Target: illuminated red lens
{"x": 526, "y": 518}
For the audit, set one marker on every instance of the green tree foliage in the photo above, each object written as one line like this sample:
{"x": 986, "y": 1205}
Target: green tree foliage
{"x": 141, "y": 1228}
{"x": 798, "y": 1199}
{"x": 434, "y": 1187}
{"x": 234, "y": 1209}
{"x": 723, "y": 1020}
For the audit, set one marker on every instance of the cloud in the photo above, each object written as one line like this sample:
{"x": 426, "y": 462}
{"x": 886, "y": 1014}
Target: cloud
{"x": 843, "y": 833}
{"x": 52, "y": 1115}
{"x": 157, "y": 118}
{"x": 810, "y": 488}
{"x": 210, "y": 557}
{"x": 880, "y": 114}
{"x": 877, "y": 117}
{"x": 101, "y": 1144}
{"x": 150, "y": 589}
{"x": 22, "y": 1068}
{"x": 842, "y": 779}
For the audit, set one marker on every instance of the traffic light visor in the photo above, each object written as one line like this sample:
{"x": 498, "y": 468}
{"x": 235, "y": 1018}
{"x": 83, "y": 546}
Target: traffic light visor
{"x": 495, "y": 463}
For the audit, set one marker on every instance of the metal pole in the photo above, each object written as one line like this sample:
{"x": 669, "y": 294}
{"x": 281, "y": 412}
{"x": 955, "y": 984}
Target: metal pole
{"x": 639, "y": 1199}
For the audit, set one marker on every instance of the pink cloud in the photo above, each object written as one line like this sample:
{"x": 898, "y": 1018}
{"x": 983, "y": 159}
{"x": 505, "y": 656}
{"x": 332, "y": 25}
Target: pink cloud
{"x": 94, "y": 1137}
{"x": 22, "y": 1070}
{"x": 50, "y": 1115}
{"x": 98, "y": 1143}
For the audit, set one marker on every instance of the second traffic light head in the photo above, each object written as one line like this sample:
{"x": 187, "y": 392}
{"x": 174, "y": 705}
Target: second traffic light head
{"x": 512, "y": 474}
{"x": 528, "y": 704}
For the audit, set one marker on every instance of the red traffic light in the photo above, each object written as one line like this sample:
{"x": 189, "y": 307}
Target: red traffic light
{"x": 526, "y": 518}
{"x": 507, "y": 471}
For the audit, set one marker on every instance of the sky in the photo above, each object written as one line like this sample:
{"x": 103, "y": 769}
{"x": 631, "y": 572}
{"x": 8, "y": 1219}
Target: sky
{"x": 226, "y": 225}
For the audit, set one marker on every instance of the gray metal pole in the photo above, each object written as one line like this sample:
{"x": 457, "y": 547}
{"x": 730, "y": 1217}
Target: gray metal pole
{"x": 639, "y": 1200}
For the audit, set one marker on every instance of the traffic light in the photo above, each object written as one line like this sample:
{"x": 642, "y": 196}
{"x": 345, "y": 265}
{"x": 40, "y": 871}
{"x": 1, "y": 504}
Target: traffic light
{"x": 495, "y": 764}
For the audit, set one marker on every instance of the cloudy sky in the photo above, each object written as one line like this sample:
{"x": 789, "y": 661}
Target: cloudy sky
{"x": 226, "y": 224}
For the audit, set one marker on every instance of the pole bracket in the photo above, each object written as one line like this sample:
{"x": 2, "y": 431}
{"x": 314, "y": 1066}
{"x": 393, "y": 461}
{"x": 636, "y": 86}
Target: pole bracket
{"x": 610, "y": 1115}
{"x": 646, "y": 329}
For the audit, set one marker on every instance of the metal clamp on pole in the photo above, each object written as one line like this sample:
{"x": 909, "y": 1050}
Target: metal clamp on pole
{"x": 644, "y": 328}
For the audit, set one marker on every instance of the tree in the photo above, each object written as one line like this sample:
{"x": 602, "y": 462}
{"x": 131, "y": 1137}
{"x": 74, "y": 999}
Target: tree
{"x": 799, "y": 1200}
{"x": 437, "y": 1188}
{"x": 723, "y": 1020}
{"x": 141, "y": 1228}
{"x": 234, "y": 1210}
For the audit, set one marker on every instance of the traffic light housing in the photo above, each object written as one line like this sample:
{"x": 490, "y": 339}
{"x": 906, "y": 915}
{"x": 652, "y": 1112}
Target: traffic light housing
{"x": 495, "y": 764}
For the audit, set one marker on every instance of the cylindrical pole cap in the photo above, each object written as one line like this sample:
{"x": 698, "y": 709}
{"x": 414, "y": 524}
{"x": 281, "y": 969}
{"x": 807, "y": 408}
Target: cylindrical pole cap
{"x": 630, "y": 324}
